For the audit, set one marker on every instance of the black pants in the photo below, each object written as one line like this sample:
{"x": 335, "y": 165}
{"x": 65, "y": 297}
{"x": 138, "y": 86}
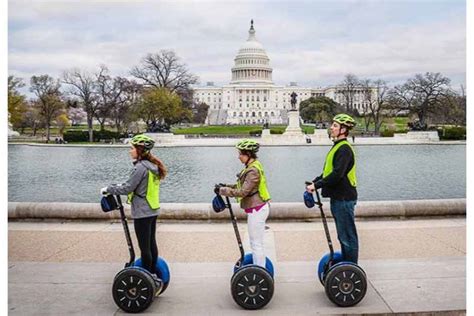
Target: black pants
{"x": 145, "y": 229}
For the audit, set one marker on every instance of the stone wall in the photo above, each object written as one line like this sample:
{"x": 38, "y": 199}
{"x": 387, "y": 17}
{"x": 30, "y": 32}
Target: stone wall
{"x": 203, "y": 211}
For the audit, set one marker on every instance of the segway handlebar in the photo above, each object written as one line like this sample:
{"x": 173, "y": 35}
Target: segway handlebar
{"x": 325, "y": 223}
{"x": 127, "y": 232}
{"x": 233, "y": 220}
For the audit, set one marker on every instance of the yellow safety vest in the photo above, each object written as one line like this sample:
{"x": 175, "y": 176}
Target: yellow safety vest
{"x": 152, "y": 191}
{"x": 328, "y": 166}
{"x": 262, "y": 186}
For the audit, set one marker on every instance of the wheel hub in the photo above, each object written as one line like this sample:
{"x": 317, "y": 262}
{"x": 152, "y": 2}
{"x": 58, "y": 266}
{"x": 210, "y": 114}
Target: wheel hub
{"x": 132, "y": 292}
{"x": 346, "y": 286}
{"x": 252, "y": 290}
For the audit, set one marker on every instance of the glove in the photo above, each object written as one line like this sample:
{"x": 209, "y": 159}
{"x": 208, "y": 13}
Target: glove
{"x": 103, "y": 191}
{"x": 217, "y": 187}
{"x": 318, "y": 184}
{"x": 318, "y": 178}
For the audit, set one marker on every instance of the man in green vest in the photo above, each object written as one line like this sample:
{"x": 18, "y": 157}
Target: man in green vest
{"x": 338, "y": 182}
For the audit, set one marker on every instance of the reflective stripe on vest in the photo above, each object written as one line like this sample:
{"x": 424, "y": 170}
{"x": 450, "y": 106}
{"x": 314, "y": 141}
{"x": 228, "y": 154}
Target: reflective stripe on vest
{"x": 152, "y": 191}
{"x": 328, "y": 166}
{"x": 262, "y": 186}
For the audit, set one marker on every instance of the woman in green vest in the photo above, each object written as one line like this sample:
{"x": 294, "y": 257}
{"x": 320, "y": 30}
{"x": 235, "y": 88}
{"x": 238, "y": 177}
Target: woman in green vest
{"x": 252, "y": 193}
{"x": 143, "y": 190}
{"x": 338, "y": 182}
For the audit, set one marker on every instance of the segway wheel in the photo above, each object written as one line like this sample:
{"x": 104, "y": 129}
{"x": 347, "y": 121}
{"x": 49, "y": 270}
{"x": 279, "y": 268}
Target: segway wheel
{"x": 252, "y": 287}
{"x": 345, "y": 284}
{"x": 133, "y": 289}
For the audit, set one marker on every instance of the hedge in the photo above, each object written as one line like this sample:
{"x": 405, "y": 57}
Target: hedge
{"x": 452, "y": 133}
{"x": 255, "y": 132}
{"x": 276, "y": 131}
{"x": 72, "y": 136}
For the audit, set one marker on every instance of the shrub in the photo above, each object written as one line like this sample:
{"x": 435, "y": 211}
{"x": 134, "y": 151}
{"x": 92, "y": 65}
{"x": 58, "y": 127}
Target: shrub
{"x": 83, "y": 136}
{"x": 276, "y": 131}
{"x": 453, "y": 133}
{"x": 387, "y": 133}
{"x": 72, "y": 136}
{"x": 255, "y": 132}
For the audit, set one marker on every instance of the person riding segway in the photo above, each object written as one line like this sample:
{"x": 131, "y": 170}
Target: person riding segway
{"x": 142, "y": 189}
{"x": 338, "y": 182}
{"x": 252, "y": 193}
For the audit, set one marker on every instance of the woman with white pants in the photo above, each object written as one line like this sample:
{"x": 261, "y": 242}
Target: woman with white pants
{"x": 252, "y": 193}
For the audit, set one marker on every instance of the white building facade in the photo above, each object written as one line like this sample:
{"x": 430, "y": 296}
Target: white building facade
{"x": 251, "y": 97}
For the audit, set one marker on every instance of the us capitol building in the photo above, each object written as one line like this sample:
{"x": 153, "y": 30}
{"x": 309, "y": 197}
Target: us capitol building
{"x": 251, "y": 97}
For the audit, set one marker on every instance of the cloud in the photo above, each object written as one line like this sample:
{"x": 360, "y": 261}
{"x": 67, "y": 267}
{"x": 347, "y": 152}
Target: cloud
{"x": 313, "y": 43}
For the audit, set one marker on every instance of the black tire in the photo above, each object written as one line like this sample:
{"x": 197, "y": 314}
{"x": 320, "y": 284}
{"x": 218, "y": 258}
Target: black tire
{"x": 252, "y": 287}
{"x": 346, "y": 284}
{"x": 133, "y": 290}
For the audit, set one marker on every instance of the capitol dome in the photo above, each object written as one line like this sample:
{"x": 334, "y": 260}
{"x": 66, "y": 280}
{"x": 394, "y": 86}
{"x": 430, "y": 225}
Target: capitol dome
{"x": 252, "y": 64}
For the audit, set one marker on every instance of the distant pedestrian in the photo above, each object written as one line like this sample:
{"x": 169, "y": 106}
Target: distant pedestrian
{"x": 353, "y": 139}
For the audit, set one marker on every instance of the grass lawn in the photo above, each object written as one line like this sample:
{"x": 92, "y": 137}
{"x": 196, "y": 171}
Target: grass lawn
{"x": 398, "y": 124}
{"x": 232, "y": 129}
{"x": 217, "y": 129}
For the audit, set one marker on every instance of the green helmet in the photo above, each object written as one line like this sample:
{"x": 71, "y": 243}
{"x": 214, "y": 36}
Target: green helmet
{"x": 248, "y": 145}
{"x": 143, "y": 140}
{"x": 344, "y": 119}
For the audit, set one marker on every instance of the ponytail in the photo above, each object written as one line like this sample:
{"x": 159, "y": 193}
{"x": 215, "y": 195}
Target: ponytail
{"x": 143, "y": 155}
{"x": 159, "y": 164}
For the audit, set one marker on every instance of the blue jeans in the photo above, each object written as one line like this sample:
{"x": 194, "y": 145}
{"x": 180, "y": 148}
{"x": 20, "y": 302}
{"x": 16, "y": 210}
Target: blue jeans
{"x": 343, "y": 213}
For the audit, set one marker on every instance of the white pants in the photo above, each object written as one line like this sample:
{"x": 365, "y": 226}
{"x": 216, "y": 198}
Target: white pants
{"x": 256, "y": 228}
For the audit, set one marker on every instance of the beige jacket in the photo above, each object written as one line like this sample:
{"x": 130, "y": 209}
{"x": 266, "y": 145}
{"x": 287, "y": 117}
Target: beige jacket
{"x": 249, "y": 185}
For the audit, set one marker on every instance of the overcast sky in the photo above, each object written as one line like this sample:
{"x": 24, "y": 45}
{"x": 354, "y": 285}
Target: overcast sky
{"x": 314, "y": 43}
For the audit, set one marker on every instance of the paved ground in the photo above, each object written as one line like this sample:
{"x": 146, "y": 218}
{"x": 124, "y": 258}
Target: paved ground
{"x": 67, "y": 268}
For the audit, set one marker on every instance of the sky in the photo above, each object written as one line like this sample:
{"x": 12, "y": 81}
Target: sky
{"x": 313, "y": 43}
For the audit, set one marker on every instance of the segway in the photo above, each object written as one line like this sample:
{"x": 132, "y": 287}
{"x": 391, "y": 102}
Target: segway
{"x": 345, "y": 282}
{"x": 134, "y": 288}
{"x": 251, "y": 285}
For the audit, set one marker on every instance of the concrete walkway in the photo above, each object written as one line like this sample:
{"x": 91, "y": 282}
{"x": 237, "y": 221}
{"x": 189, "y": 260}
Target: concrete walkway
{"x": 67, "y": 267}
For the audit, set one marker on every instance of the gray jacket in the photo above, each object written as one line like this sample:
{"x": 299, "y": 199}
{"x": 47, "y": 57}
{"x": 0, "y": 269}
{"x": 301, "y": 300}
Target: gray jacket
{"x": 137, "y": 183}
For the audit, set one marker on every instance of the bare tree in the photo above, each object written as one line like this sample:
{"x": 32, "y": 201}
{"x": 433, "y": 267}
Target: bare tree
{"x": 164, "y": 70}
{"x": 348, "y": 89}
{"x": 49, "y": 100}
{"x": 105, "y": 95}
{"x": 124, "y": 97}
{"x": 84, "y": 88}
{"x": 451, "y": 109}
{"x": 367, "y": 95}
{"x": 421, "y": 94}
{"x": 375, "y": 100}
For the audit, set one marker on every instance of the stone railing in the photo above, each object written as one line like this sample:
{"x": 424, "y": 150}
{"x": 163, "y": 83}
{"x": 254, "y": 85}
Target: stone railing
{"x": 203, "y": 211}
